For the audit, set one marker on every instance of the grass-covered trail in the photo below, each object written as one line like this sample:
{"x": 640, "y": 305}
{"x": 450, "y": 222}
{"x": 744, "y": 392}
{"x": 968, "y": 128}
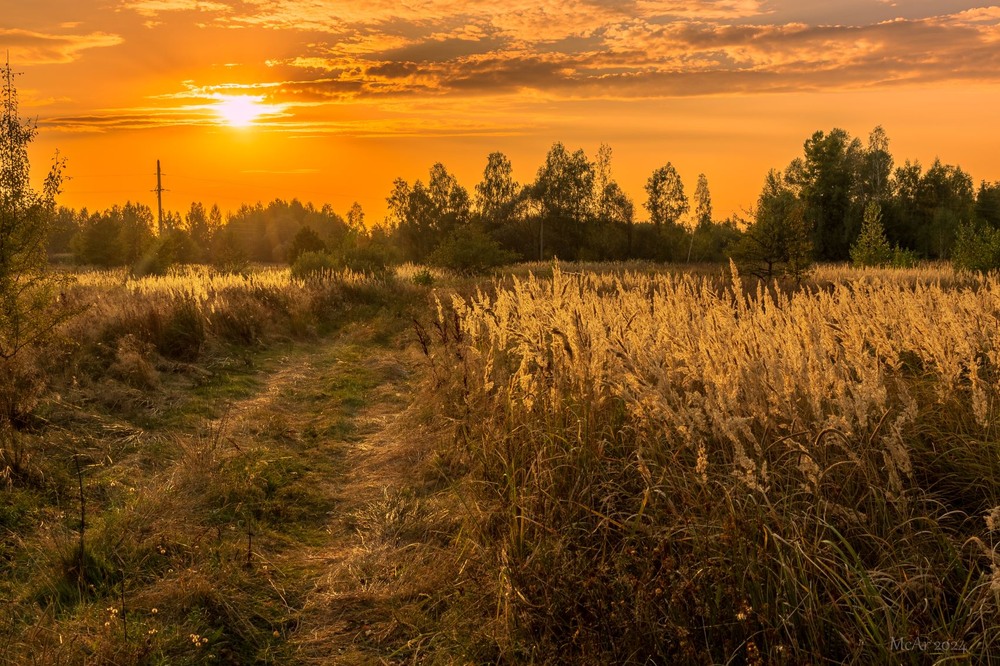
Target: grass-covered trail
{"x": 262, "y": 510}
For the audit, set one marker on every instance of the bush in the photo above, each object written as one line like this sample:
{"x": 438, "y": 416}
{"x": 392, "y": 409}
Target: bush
{"x": 423, "y": 278}
{"x": 173, "y": 247}
{"x": 470, "y": 251}
{"x": 311, "y": 264}
{"x": 368, "y": 257}
{"x": 977, "y": 248}
{"x": 904, "y": 258}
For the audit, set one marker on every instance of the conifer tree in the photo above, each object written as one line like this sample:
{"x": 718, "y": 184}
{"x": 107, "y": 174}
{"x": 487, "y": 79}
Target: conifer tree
{"x": 872, "y": 247}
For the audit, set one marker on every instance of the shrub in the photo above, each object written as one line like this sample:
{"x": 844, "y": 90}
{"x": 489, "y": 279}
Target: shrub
{"x": 132, "y": 364}
{"x": 312, "y": 264}
{"x": 366, "y": 257}
{"x": 903, "y": 258}
{"x": 423, "y": 278}
{"x": 977, "y": 248}
{"x": 470, "y": 251}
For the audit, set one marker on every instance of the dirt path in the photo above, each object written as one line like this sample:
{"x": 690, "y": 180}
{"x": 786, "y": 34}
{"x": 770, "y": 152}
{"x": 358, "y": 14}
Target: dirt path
{"x": 340, "y": 405}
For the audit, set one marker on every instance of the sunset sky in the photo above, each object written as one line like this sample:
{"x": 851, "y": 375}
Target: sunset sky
{"x": 330, "y": 100}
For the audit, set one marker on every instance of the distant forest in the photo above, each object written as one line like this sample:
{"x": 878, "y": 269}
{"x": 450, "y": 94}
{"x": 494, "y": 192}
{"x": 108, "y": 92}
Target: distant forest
{"x": 573, "y": 210}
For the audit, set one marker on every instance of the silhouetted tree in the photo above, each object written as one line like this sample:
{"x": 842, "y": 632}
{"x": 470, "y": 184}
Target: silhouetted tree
{"x": 665, "y": 198}
{"x": 988, "y": 203}
{"x": 422, "y": 216}
{"x": 199, "y": 230}
{"x": 306, "y": 240}
{"x": 563, "y": 198}
{"x": 497, "y": 195}
{"x": 356, "y": 219}
{"x": 702, "y": 202}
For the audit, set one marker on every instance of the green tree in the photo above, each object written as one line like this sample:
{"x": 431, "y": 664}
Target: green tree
{"x": 665, "y": 200}
{"x": 945, "y": 201}
{"x": 64, "y": 227}
{"x": 603, "y": 182}
{"x": 135, "y": 230}
{"x": 98, "y": 242}
{"x": 27, "y": 289}
{"x": 777, "y": 243}
{"x": 450, "y": 202}
{"x": 826, "y": 181}
{"x": 871, "y": 248}
{"x": 469, "y": 251}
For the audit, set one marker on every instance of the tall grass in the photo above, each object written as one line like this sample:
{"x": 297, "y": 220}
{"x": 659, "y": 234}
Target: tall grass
{"x": 667, "y": 468}
{"x": 139, "y": 525}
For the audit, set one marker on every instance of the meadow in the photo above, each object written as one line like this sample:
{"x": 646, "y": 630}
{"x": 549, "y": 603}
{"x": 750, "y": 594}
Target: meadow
{"x": 605, "y": 463}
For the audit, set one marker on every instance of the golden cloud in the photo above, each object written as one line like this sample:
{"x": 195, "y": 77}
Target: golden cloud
{"x": 36, "y": 48}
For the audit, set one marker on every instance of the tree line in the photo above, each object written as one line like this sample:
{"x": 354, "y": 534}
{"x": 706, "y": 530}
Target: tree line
{"x": 574, "y": 209}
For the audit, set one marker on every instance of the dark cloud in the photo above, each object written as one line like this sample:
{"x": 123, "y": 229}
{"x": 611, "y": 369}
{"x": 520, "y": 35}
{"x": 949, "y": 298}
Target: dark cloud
{"x": 440, "y": 50}
{"x": 636, "y": 58}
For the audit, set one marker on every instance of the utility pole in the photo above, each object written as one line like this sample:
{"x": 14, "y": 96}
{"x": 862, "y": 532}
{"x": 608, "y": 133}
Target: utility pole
{"x": 159, "y": 198}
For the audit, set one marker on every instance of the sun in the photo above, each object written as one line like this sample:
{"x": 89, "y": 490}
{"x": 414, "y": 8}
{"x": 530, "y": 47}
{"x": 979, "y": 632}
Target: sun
{"x": 240, "y": 111}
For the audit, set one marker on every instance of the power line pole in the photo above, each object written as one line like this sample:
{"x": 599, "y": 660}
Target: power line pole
{"x": 159, "y": 197}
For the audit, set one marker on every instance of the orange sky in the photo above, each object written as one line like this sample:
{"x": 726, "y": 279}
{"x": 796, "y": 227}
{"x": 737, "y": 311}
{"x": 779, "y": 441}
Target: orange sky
{"x": 354, "y": 94}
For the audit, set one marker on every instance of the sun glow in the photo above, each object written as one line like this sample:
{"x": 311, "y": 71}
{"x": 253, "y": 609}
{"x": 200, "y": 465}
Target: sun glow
{"x": 242, "y": 111}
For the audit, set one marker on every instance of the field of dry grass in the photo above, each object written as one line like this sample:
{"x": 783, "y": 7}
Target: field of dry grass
{"x": 585, "y": 464}
{"x": 692, "y": 469}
